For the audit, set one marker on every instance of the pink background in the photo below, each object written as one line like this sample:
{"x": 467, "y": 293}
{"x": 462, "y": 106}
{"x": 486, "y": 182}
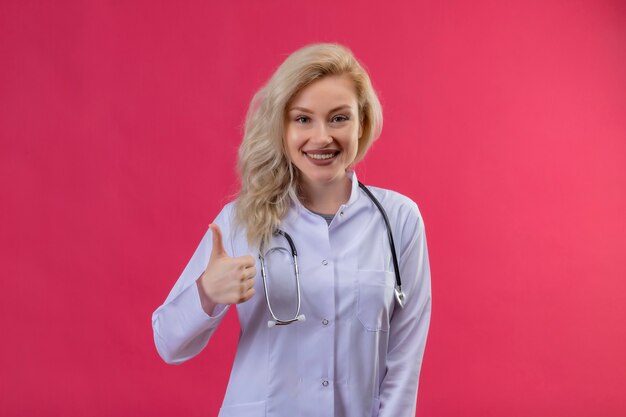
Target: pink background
{"x": 504, "y": 120}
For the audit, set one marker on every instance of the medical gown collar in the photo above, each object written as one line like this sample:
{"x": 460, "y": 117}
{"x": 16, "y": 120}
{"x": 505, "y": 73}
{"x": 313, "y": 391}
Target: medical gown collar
{"x": 354, "y": 193}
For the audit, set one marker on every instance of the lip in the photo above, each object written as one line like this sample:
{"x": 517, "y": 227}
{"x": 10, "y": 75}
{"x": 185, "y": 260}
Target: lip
{"x": 322, "y": 151}
{"x": 321, "y": 162}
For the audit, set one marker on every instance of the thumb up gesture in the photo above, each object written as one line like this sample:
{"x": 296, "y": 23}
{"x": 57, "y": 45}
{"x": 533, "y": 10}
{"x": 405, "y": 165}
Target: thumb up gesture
{"x": 226, "y": 280}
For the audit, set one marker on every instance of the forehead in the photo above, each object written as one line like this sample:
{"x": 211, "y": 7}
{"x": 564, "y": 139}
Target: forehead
{"x": 328, "y": 91}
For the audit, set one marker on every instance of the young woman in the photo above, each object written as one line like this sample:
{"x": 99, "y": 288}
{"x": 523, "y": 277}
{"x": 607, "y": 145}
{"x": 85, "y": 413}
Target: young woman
{"x": 332, "y": 292}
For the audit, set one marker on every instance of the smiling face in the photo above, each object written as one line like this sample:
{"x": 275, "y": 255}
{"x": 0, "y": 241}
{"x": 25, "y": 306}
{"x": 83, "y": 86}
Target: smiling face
{"x": 322, "y": 130}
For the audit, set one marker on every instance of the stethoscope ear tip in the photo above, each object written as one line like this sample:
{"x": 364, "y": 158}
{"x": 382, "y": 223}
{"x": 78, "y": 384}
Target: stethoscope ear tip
{"x": 301, "y": 317}
{"x": 271, "y": 324}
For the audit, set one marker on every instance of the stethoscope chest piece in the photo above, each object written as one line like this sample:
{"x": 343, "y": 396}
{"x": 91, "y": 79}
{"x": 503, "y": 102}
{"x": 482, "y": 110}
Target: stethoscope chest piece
{"x": 400, "y": 296}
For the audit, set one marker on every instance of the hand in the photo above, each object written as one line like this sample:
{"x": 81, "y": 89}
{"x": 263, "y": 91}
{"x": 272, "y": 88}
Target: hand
{"x": 226, "y": 280}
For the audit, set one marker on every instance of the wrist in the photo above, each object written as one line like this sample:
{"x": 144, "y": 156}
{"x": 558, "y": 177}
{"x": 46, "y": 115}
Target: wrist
{"x": 208, "y": 305}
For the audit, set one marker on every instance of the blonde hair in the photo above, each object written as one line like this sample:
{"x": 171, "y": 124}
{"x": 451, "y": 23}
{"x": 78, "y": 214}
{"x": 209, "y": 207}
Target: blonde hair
{"x": 268, "y": 179}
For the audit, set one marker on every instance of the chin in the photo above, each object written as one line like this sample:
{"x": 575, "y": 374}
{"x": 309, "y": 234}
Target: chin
{"x": 326, "y": 178}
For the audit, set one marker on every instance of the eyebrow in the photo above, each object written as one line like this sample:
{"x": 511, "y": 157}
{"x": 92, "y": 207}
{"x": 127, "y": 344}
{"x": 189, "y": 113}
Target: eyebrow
{"x": 304, "y": 109}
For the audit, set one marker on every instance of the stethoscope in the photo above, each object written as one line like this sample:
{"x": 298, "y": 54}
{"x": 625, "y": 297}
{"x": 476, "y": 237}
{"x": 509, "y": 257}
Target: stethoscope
{"x": 400, "y": 296}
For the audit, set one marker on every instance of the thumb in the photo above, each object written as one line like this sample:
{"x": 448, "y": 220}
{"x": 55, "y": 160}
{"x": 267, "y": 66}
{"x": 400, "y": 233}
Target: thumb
{"x": 218, "y": 246}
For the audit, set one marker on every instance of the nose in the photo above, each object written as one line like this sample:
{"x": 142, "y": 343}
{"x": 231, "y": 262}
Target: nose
{"x": 320, "y": 136}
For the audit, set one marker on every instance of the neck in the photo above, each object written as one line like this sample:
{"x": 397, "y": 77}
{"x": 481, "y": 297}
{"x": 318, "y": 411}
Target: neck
{"x": 326, "y": 198}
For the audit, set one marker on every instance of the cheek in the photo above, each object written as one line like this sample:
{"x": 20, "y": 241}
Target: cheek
{"x": 293, "y": 143}
{"x": 354, "y": 141}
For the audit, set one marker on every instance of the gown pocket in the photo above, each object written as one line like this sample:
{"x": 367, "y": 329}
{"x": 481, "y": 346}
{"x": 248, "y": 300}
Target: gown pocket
{"x": 375, "y": 298}
{"x": 255, "y": 409}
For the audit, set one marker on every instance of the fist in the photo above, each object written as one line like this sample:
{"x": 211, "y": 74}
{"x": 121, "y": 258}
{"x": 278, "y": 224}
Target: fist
{"x": 226, "y": 280}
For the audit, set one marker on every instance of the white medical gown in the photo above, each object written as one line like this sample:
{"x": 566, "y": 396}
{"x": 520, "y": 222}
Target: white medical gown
{"x": 357, "y": 354}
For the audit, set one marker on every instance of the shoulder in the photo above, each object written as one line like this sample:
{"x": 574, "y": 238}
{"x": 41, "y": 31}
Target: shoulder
{"x": 233, "y": 232}
{"x": 227, "y": 214}
{"x": 225, "y": 218}
{"x": 401, "y": 207}
{"x": 404, "y": 215}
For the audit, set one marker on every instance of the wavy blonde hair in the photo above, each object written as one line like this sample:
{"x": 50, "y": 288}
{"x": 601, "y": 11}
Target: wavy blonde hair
{"x": 269, "y": 181}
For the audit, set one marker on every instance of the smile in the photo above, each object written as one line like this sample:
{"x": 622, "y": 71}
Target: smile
{"x": 322, "y": 156}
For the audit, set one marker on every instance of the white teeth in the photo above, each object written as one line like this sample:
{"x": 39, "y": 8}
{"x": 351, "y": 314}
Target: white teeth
{"x": 320, "y": 156}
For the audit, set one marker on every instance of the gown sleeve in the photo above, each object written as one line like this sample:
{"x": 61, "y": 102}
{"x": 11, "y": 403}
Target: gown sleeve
{"x": 181, "y": 327}
{"x": 409, "y": 326}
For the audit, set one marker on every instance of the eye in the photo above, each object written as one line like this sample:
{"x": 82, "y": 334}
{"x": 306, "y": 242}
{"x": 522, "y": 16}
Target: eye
{"x": 301, "y": 119}
{"x": 339, "y": 118}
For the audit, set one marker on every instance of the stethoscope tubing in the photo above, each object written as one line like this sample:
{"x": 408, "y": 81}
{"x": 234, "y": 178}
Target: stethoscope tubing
{"x": 399, "y": 294}
{"x": 294, "y": 253}
{"x": 396, "y": 268}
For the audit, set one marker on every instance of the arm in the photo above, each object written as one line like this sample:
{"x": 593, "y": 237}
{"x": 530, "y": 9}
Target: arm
{"x": 409, "y": 326}
{"x": 181, "y": 326}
